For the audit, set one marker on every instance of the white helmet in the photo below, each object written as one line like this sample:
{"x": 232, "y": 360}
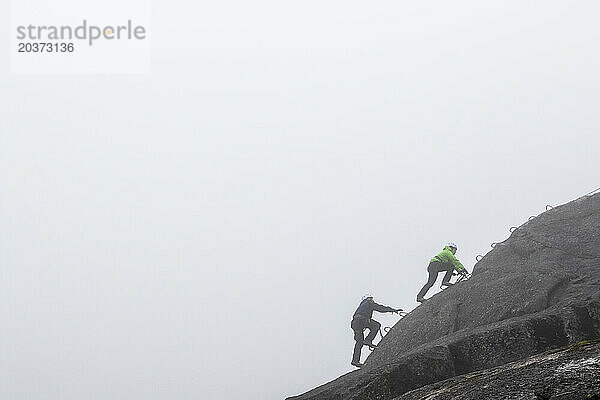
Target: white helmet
{"x": 453, "y": 245}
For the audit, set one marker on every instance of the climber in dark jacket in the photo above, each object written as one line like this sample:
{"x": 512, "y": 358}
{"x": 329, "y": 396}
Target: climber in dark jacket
{"x": 362, "y": 320}
{"x": 443, "y": 262}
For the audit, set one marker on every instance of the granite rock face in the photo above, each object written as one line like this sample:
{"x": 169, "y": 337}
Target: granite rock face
{"x": 538, "y": 290}
{"x": 571, "y": 373}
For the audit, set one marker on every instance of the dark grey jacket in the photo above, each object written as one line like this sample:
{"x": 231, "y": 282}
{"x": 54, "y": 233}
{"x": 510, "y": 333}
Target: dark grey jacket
{"x": 367, "y": 306}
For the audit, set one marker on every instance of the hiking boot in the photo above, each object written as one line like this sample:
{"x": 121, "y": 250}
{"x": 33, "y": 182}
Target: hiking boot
{"x": 447, "y": 284}
{"x": 420, "y": 300}
{"x": 370, "y": 344}
{"x": 357, "y": 364}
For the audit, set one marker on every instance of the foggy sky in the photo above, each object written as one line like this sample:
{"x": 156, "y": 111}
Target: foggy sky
{"x": 207, "y": 230}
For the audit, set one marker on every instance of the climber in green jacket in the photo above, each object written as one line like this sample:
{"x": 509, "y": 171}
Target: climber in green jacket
{"x": 443, "y": 262}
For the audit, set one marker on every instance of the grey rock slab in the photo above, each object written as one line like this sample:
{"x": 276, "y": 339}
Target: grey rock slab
{"x": 571, "y": 373}
{"x": 537, "y": 290}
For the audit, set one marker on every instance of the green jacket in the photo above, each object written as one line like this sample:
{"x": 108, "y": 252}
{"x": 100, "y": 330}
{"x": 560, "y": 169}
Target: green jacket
{"x": 446, "y": 257}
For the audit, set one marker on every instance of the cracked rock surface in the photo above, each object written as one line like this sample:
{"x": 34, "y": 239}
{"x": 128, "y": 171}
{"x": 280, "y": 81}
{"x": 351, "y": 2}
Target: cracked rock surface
{"x": 537, "y": 290}
{"x": 571, "y": 373}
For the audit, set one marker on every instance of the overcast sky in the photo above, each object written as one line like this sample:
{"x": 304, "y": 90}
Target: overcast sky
{"x": 206, "y": 231}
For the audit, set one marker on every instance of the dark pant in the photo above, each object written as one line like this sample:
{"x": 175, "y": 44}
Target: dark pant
{"x": 358, "y": 325}
{"x": 434, "y": 269}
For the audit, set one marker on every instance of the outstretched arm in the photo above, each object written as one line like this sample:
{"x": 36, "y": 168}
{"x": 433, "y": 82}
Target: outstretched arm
{"x": 382, "y": 308}
{"x": 457, "y": 264}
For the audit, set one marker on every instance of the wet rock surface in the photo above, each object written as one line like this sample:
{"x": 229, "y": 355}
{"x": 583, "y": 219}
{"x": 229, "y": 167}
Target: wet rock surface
{"x": 570, "y": 373}
{"x": 537, "y": 290}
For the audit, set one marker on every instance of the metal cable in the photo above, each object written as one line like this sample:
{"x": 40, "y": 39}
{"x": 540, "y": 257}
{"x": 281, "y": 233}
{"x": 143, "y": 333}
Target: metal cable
{"x": 592, "y": 192}
{"x": 514, "y": 228}
{"x": 386, "y": 329}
